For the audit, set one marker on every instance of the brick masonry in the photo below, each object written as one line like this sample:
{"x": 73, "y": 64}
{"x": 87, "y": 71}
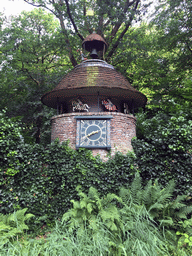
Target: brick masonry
{"x": 123, "y": 129}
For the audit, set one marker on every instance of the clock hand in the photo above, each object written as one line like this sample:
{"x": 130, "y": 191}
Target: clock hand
{"x": 94, "y": 132}
{"x": 91, "y": 133}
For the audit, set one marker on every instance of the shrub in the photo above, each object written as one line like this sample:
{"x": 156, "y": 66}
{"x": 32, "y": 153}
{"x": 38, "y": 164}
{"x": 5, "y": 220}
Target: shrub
{"x": 163, "y": 149}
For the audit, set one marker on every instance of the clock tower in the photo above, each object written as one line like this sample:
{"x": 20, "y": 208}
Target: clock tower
{"x": 95, "y": 105}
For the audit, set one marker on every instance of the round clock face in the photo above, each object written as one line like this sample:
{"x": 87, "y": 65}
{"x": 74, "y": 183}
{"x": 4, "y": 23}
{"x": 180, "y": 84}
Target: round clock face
{"x": 93, "y": 133}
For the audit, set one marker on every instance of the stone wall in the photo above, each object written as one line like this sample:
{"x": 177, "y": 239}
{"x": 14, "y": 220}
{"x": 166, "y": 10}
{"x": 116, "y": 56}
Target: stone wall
{"x": 123, "y": 129}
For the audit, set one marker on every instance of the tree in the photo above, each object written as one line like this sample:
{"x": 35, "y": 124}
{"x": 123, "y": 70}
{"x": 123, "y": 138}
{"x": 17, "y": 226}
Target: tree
{"x": 33, "y": 60}
{"x": 33, "y": 63}
{"x": 173, "y": 21}
{"x": 111, "y": 19}
{"x": 151, "y": 68}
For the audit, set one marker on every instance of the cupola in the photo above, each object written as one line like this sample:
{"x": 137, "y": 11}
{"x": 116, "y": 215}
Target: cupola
{"x": 93, "y": 44}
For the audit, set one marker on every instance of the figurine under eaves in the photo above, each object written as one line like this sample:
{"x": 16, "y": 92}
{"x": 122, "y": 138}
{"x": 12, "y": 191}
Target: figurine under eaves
{"x": 78, "y": 105}
{"x": 109, "y": 106}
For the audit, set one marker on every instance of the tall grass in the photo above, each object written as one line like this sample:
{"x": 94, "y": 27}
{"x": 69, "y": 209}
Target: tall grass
{"x": 61, "y": 242}
{"x": 142, "y": 239}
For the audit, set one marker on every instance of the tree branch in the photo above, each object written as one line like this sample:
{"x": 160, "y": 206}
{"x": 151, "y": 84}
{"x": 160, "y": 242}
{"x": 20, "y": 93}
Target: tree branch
{"x": 36, "y": 5}
{"x": 25, "y": 70}
{"x": 119, "y": 23}
{"x": 107, "y": 23}
{"x": 100, "y": 26}
{"x": 72, "y": 21}
{"x": 41, "y": 5}
{"x": 188, "y": 47}
{"x": 71, "y": 56}
{"x": 86, "y": 24}
{"x": 115, "y": 45}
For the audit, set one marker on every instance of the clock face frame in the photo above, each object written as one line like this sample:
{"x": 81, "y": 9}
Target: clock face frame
{"x": 93, "y": 132}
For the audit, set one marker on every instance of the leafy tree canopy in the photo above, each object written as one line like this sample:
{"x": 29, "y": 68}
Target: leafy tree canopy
{"x": 111, "y": 19}
{"x": 33, "y": 60}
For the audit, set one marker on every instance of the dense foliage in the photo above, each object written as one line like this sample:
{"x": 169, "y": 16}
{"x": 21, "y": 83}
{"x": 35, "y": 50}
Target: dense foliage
{"x": 137, "y": 221}
{"x": 166, "y": 151}
{"x": 37, "y": 51}
{"x": 110, "y": 19}
{"x": 44, "y": 179}
{"x": 12, "y": 225}
{"x": 33, "y": 59}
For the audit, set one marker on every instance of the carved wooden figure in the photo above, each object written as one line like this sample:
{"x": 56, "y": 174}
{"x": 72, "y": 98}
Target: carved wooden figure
{"x": 78, "y": 105}
{"x": 109, "y": 105}
{"x": 126, "y": 108}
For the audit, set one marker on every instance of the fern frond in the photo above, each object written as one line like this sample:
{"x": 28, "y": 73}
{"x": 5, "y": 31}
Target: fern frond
{"x": 164, "y": 197}
{"x": 165, "y": 222}
{"x": 89, "y": 208}
{"x": 82, "y": 195}
{"x": 76, "y": 205}
{"x": 170, "y": 187}
{"x": 125, "y": 195}
{"x": 83, "y": 204}
{"x": 183, "y": 212}
{"x": 175, "y": 205}
{"x": 146, "y": 194}
{"x": 93, "y": 193}
{"x": 136, "y": 188}
{"x": 13, "y": 224}
{"x": 155, "y": 194}
{"x": 110, "y": 198}
{"x": 155, "y": 208}
{"x": 111, "y": 213}
{"x": 4, "y": 228}
{"x": 187, "y": 209}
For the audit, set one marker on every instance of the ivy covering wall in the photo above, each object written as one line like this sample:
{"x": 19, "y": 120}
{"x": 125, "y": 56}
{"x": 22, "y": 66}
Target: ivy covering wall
{"x": 44, "y": 178}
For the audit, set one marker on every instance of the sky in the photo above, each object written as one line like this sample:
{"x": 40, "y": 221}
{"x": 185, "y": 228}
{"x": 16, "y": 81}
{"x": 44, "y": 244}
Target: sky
{"x": 14, "y": 7}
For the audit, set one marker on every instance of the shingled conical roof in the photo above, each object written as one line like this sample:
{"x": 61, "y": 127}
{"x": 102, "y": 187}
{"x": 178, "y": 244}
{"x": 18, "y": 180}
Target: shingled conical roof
{"x": 90, "y": 78}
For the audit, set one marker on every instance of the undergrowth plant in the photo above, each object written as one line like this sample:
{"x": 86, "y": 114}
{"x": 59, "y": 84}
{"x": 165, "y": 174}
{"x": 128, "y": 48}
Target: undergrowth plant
{"x": 91, "y": 209}
{"x": 61, "y": 242}
{"x": 160, "y": 202}
{"x": 44, "y": 179}
{"x": 129, "y": 227}
{"x": 163, "y": 148}
{"x": 13, "y": 225}
{"x": 139, "y": 221}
